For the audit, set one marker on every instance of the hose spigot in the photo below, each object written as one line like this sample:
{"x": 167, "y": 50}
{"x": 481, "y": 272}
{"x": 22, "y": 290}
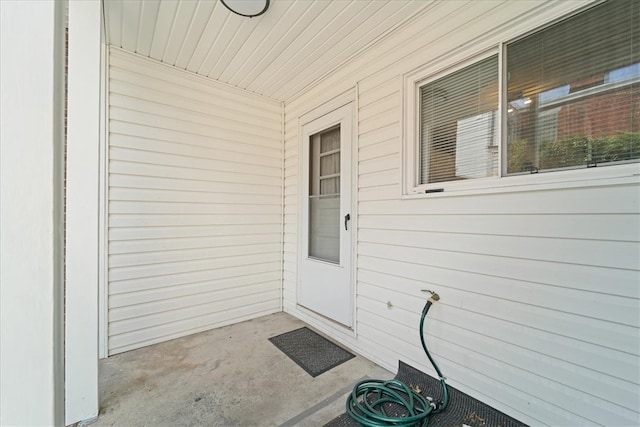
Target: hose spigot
{"x": 434, "y": 296}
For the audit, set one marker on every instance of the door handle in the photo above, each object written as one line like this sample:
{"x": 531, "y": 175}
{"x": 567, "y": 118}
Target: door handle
{"x": 347, "y": 217}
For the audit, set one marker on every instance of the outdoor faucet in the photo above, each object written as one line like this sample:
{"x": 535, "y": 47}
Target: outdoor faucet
{"x": 434, "y": 296}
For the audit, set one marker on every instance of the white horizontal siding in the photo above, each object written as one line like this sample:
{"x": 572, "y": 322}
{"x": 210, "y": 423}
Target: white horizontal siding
{"x": 540, "y": 309}
{"x": 195, "y": 193}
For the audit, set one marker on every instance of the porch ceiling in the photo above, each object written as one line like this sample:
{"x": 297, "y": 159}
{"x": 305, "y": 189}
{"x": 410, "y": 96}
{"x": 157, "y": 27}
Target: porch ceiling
{"x": 277, "y": 54}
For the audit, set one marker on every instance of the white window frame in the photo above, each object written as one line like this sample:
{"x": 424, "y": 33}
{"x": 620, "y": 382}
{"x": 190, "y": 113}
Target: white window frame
{"x": 411, "y": 153}
{"x": 454, "y": 61}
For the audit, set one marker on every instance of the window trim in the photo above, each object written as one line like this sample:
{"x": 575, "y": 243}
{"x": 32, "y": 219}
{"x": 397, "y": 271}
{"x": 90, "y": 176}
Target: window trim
{"x": 412, "y": 83}
{"x": 611, "y": 174}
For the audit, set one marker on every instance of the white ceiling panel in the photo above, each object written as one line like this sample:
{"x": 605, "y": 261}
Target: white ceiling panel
{"x": 164, "y": 24}
{"x": 276, "y": 54}
{"x": 194, "y": 34}
{"x": 145, "y": 28}
{"x": 184, "y": 16}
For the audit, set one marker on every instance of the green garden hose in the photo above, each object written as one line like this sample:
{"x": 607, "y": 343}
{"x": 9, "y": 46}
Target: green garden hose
{"x": 367, "y": 402}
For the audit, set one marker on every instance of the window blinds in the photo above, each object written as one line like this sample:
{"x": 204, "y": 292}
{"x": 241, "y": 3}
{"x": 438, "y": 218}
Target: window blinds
{"x": 459, "y": 124}
{"x": 573, "y": 91}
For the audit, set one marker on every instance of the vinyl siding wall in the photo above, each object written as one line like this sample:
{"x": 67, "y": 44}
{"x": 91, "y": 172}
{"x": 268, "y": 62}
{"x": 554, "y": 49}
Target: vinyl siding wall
{"x": 539, "y": 314}
{"x": 194, "y": 203}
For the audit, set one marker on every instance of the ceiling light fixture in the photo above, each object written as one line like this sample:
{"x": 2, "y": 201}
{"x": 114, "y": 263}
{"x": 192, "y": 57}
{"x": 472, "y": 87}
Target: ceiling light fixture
{"x": 248, "y": 8}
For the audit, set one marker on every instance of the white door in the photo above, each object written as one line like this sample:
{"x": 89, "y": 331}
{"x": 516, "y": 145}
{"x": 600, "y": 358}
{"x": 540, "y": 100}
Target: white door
{"x": 324, "y": 284}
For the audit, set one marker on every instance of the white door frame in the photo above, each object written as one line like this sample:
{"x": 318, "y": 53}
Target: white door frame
{"x": 346, "y": 99}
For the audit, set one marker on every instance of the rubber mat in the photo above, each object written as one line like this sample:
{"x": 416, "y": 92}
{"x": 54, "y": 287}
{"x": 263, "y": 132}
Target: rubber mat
{"x": 463, "y": 410}
{"x": 312, "y": 352}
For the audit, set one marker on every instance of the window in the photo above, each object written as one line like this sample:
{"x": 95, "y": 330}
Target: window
{"x": 570, "y": 100}
{"x": 458, "y": 124}
{"x": 573, "y": 92}
{"x": 324, "y": 195}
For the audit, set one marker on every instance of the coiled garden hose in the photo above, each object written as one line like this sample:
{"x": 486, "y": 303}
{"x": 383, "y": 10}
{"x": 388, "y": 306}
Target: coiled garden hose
{"x": 366, "y": 403}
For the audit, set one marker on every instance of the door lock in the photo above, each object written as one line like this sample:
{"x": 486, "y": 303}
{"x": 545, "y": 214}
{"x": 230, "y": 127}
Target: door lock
{"x": 347, "y": 217}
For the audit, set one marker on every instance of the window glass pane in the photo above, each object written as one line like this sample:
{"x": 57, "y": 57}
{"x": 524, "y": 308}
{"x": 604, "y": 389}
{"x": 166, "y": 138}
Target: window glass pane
{"x": 329, "y": 164}
{"x": 459, "y": 126}
{"x": 330, "y": 140}
{"x": 330, "y": 186}
{"x": 324, "y": 195}
{"x": 573, "y": 92}
{"x": 324, "y": 228}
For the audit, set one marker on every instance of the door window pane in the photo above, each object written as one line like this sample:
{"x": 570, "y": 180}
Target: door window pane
{"x": 324, "y": 195}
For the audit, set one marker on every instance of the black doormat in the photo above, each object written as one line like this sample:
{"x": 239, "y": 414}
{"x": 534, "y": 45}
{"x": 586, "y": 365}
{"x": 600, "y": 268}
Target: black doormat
{"x": 312, "y": 352}
{"x": 462, "y": 409}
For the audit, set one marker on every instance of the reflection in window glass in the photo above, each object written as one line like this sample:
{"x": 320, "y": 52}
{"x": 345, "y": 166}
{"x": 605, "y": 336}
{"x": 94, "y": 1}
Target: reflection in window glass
{"x": 573, "y": 92}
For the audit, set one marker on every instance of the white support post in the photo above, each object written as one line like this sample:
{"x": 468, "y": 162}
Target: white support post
{"x": 82, "y": 225}
{"x": 31, "y": 212}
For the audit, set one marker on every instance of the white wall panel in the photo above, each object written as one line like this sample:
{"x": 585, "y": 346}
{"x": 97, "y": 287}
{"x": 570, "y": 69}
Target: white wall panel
{"x": 195, "y": 193}
{"x": 540, "y": 305}
{"x": 32, "y": 345}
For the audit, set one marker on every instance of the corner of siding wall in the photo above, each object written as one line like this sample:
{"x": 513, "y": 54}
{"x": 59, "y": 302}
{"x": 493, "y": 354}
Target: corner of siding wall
{"x": 282, "y": 173}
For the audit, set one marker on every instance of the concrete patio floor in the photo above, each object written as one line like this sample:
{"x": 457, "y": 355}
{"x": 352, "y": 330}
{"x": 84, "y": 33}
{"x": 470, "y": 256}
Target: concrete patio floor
{"x": 230, "y": 376}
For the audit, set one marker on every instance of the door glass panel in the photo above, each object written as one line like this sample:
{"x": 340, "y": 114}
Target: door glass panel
{"x": 329, "y": 164}
{"x": 330, "y": 140}
{"x": 330, "y": 186}
{"x": 324, "y": 195}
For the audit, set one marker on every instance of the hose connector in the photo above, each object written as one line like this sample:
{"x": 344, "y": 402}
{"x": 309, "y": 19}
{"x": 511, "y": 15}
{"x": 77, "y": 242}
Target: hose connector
{"x": 434, "y": 296}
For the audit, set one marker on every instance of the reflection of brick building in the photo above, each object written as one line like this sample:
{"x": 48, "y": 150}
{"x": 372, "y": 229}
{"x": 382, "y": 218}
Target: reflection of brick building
{"x": 588, "y": 122}
{"x": 600, "y": 114}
